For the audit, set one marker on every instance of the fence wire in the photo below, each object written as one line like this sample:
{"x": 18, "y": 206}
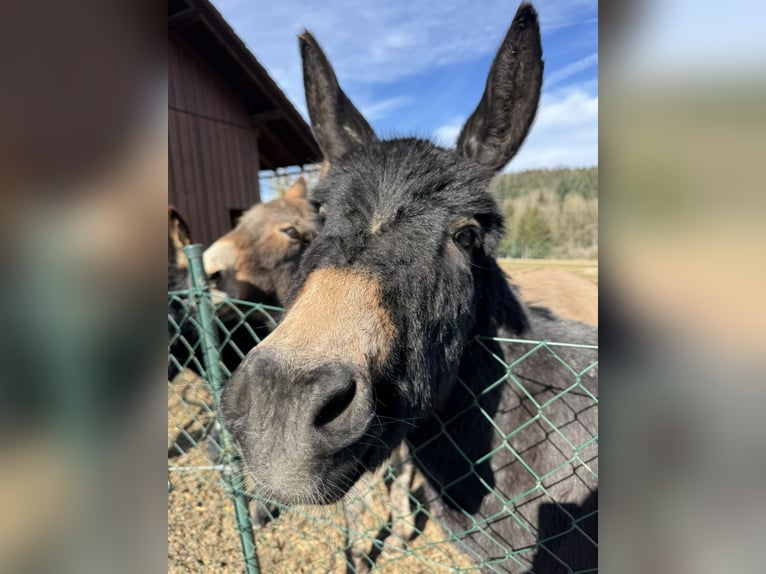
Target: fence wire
{"x": 214, "y": 527}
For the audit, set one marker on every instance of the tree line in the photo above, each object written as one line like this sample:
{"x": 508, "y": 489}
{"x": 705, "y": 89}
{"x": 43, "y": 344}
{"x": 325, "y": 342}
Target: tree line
{"x": 549, "y": 213}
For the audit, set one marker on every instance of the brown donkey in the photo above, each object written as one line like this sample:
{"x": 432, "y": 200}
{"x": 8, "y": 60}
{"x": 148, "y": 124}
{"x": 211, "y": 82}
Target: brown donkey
{"x": 257, "y": 259}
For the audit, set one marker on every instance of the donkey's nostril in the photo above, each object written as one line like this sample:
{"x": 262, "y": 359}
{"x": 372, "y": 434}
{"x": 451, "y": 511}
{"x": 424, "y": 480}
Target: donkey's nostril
{"x": 336, "y": 404}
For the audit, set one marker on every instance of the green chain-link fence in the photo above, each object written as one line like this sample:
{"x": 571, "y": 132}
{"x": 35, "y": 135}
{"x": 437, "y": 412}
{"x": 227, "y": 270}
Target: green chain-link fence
{"x": 211, "y": 526}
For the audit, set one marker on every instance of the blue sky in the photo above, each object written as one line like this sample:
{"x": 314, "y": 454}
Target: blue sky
{"x": 419, "y": 67}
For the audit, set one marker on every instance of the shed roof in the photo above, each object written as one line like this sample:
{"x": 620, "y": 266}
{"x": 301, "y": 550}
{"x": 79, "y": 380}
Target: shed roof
{"x": 285, "y": 138}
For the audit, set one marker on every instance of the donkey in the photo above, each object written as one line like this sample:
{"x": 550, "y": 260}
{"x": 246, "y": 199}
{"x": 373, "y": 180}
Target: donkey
{"x": 393, "y": 317}
{"x": 257, "y": 259}
{"x": 254, "y": 262}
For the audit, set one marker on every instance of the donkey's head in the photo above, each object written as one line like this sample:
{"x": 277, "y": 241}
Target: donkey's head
{"x": 257, "y": 259}
{"x": 386, "y": 298}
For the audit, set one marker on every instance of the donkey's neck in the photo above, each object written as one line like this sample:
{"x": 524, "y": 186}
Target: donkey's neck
{"x": 457, "y": 434}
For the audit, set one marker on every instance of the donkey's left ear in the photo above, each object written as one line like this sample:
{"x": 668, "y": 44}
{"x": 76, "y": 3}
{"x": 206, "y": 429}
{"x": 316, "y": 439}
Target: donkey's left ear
{"x": 338, "y": 126}
{"x": 501, "y": 121}
{"x": 297, "y": 190}
{"x": 178, "y": 230}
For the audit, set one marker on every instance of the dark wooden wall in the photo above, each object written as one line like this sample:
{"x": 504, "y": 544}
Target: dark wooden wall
{"x": 213, "y": 163}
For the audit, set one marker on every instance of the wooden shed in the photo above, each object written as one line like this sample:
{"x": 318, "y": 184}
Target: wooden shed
{"x": 227, "y": 120}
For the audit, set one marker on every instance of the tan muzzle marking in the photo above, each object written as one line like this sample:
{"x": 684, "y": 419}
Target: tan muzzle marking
{"x": 337, "y": 314}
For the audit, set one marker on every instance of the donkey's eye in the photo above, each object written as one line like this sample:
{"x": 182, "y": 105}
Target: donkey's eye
{"x": 466, "y": 237}
{"x": 291, "y": 232}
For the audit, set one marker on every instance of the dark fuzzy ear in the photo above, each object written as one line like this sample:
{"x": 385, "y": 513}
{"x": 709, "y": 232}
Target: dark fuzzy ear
{"x": 501, "y": 121}
{"x": 338, "y": 126}
{"x": 178, "y": 230}
{"x": 499, "y": 305}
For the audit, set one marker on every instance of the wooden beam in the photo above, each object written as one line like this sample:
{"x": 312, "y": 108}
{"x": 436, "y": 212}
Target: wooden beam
{"x": 183, "y": 18}
{"x": 269, "y": 116}
{"x": 274, "y": 143}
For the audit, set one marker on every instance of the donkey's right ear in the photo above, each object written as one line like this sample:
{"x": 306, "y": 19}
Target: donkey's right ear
{"x": 297, "y": 190}
{"x": 501, "y": 121}
{"x": 338, "y": 126}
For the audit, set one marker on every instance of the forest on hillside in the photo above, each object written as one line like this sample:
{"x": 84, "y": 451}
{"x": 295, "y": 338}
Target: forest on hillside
{"x": 549, "y": 213}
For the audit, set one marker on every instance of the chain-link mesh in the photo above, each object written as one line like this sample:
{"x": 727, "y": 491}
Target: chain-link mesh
{"x": 391, "y": 523}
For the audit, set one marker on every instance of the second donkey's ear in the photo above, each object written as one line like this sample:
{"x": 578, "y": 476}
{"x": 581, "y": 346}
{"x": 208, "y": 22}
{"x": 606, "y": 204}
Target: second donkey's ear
{"x": 338, "y": 126}
{"x": 501, "y": 121}
{"x": 297, "y": 190}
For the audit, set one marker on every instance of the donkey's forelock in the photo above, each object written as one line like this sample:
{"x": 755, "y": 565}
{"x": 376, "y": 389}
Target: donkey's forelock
{"x": 393, "y": 182}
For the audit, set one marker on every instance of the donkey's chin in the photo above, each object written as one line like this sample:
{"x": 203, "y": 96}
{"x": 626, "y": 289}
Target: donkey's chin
{"x": 318, "y": 494}
{"x": 327, "y": 483}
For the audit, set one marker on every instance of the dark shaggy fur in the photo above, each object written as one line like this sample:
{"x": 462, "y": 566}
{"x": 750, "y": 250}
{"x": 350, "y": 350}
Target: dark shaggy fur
{"x": 419, "y": 222}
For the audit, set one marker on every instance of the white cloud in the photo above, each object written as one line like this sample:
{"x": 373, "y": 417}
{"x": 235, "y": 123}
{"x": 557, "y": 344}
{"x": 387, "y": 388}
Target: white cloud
{"x": 565, "y": 132}
{"x": 571, "y": 69}
{"x": 377, "y": 110}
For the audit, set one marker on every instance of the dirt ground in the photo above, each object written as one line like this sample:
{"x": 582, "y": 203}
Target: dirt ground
{"x": 202, "y": 531}
{"x": 585, "y": 268}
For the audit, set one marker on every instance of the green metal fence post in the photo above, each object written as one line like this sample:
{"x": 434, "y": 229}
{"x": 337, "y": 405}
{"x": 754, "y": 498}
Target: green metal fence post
{"x": 215, "y": 378}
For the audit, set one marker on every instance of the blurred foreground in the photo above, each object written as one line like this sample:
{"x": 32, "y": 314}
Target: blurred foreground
{"x": 683, "y": 272}
{"x": 83, "y": 180}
